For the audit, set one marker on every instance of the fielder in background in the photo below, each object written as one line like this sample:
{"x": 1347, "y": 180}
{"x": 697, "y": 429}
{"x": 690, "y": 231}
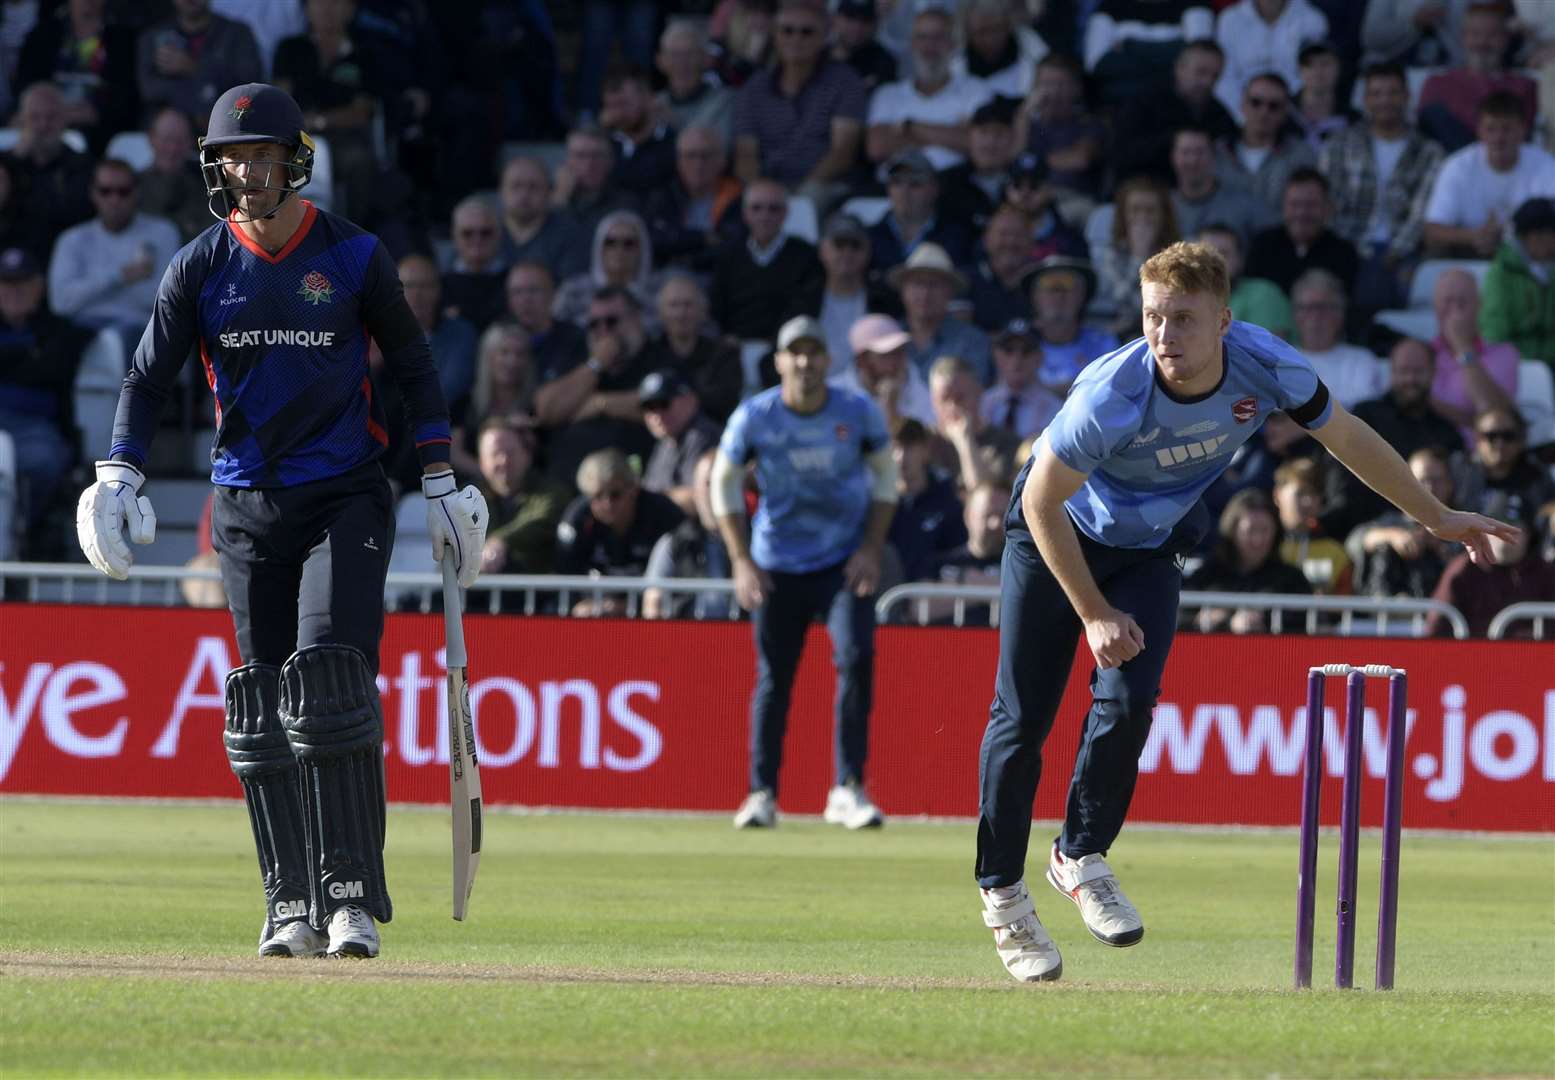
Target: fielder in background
{"x": 828, "y": 490}
{"x": 1108, "y": 502}
{"x": 280, "y": 299}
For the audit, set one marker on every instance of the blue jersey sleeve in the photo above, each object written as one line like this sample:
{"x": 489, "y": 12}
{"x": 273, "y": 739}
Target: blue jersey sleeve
{"x": 734, "y": 443}
{"x": 1095, "y": 421}
{"x": 1300, "y": 394}
{"x": 164, "y": 347}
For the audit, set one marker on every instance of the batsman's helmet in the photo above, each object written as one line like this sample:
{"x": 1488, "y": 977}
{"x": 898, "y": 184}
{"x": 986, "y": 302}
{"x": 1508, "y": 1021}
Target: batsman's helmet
{"x": 254, "y": 112}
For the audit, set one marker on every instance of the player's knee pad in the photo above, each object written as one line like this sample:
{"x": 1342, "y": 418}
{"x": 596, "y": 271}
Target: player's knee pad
{"x": 262, "y": 758}
{"x": 334, "y": 722}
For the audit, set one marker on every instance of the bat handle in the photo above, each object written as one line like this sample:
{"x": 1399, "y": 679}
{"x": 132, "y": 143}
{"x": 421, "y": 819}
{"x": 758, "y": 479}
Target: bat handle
{"x": 453, "y": 621}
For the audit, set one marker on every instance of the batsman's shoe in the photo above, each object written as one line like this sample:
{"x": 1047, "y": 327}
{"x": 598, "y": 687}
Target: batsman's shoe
{"x": 758, "y": 811}
{"x": 352, "y": 932}
{"x": 295, "y": 938}
{"x": 1088, "y": 881}
{"x": 1024, "y": 946}
{"x": 848, "y": 805}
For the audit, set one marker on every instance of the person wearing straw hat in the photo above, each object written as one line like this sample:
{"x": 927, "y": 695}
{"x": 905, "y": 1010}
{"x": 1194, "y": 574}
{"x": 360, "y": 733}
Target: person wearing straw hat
{"x": 927, "y": 282}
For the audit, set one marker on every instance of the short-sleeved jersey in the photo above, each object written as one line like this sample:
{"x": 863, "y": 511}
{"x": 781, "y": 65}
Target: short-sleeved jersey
{"x": 283, "y": 339}
{"x": 815, "y": 484}
{"x": 1149, "y": 454}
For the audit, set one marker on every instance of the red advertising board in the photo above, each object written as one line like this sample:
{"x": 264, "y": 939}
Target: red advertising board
{"x": 614, "y": 714}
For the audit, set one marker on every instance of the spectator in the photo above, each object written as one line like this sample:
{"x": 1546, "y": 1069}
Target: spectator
{"x": 17, "y": 228}
{"x": 582, "y": 190}
{"x": 1017, "y": 401}
{"x": 531, "y": 230}
{"x": 926, "y": 282}
{"x": 1262, "y": 158}
{"x": 644, "y": 144}
{"x": 742, "y": 38}
{"x": 1130, "y": 46}
{"x": 1380, "y": 175}
{"x": 1145, "y": 126}
{"x": 1319, "y": 111}
{"x": 1449, "y": 100}
{"x": 451, "y": 339}
{"x": 1261, "y": 36}
{"x": 594, "y": 405}
{"x": 1199, "y": 197}
{"x": 854, "y": 43}
{"x": 968, "y": 447}
{"x": 1478, "y": 188}
{"x": 998, "y": 49}
{"x": 1070, "y": 142}
{"x": 53, "y": 180}
{"x": 847, "y": 294}
{"x": 756, "y": 279}
{"x": 913, "y": 190}
{"x": 1405, "y": 419}
{"x": 1501, "y": 476}
{"x": 1143, "y": 223}
{"x": 695, "y": 214}
{"x": 998, "y": 279}
{"x": 1298, "y": 497}
{"x": 1413, "y": 33}
{"x": 1394, "y": 554}
{"x": 1246, "y": 559}
{"x": 710, "y": 365}
{"x": 928, "y": 522}
{"x": 622, "y": 257}
{"x": 1254, "y": 300}
{"x": 1520, "y": 286}
{"x": 473, "y": 282}
{"x": 631, "y": 22}
{"x": 1471, "y": 376}
{"x": 1027, "y": 190}
{"x": 693, "y": 549}
{"x": 1480, "y": 592}
{"x": 828, "y": 491}
{"x": 1303, "y": 241}
{"x": 978, "y": 561}
{"x": 683, "y": 434}
{"x": 693, "y": 96}
{"x": 882, "y": 372}
{"x": 531, "y": 293}
{"x": 504, "y": 388}
{"x": 186, "y": 60}
{"x": 798, "y": 122}
{"x": 970, "y": 191}
{"x": 39, "y": 354}
{"x": 270, "y": 24}
{"x": 930, "y": 110}
{"x": 609, "y": 530}
{"x": 92, "y": 61}
{"x": 1351, "y": 373}
{"x": 525, "y": 510}
{"x": 104, "y": 272}
{"x": 171, "y": 186}
{"x": 1061, "y": 288}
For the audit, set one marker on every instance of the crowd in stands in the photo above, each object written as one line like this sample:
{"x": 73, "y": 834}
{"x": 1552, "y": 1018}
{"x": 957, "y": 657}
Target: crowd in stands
{"x": 603, "y": 211}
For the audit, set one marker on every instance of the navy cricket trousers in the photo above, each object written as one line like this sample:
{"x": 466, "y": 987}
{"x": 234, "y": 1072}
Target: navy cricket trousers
{"x": 1038, "y": 632}
{"x": 780, "y": 627}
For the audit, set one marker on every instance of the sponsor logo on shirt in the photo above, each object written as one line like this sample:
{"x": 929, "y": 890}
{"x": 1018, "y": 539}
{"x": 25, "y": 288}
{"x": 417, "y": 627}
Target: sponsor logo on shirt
{"x": 1245, "y": 410}
{"x": 1203, "y": 427}
{"x": 232, "y": 296}
{"x": 811, "y": 458}
{"x": 1145, "y": 438}
{"x": 238, "y": 339}
{"x": 316, "y": 289}
{"x": 1169, "y": 457}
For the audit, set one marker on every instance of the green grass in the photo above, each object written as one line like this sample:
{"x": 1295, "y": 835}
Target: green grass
{"x": 664, "y": 946}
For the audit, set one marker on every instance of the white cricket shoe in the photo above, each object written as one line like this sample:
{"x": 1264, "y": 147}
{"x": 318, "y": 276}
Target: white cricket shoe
{"x": 295, "y": 938}
{"x": 1024, "y": 946}
{"x": 849, "y": 806}
{"x": 1088, "y": 881}
{"x": 758, "y": 811}
{"x": 352, "y": 932}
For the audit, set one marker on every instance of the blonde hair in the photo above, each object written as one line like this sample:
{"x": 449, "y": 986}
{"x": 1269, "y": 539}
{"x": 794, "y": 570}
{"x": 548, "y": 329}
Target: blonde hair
{"x": 1188, "y": 266}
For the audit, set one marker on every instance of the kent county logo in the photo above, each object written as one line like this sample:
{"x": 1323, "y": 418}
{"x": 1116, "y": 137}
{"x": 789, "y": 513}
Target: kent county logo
{"x": 842, "y": 432}
{"x": 316, "y": 289}
{"x": 240, "y": 107}
{"x": 1245, "y": 410}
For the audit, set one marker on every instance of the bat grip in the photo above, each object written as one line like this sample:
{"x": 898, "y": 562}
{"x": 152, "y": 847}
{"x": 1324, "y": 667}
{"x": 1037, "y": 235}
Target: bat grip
{"x": 453, "y": 618}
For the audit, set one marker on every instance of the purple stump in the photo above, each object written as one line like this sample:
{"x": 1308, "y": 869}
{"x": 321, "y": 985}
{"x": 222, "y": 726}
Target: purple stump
{"x": 1392, "y": 828}
{"x": 1349, "y": 830}
{"x": 1311, "y": 788}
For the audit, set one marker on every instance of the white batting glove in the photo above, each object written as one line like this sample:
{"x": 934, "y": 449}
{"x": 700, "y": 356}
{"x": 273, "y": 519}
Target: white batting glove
{"x": 104, "y": 510}
{"x": 456, "y": 517}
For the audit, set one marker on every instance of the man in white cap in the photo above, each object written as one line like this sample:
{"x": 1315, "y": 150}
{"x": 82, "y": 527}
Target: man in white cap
{"x": 881, "y": 371}
{"x": 927, "y": 282}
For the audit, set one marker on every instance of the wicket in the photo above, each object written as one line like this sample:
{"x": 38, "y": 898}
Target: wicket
{"x": 1350, "y": 821}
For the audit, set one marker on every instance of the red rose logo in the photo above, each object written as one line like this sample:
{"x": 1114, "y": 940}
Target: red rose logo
{"x": 316, "y": 288}
{"x": 240, "y": 107}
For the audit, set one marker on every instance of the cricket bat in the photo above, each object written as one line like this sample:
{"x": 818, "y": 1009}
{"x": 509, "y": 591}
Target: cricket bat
{"x": 464, "y": 772}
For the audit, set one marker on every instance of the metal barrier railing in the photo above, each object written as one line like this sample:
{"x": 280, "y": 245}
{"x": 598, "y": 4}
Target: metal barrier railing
{"x": 1534, "y": 610}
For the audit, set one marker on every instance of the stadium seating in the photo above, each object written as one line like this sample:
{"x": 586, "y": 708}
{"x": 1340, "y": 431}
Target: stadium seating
{"x": 131, "y": 147}
{"x": 71, "y": 138}
{"x": 103, "y": 367}
{"x": 412, "y": 552}
{"x": 802, "y": 220}
{"x": 1536, "y": 400}
{"x": 867, "y": 208}
{"x": 8, "y": 522}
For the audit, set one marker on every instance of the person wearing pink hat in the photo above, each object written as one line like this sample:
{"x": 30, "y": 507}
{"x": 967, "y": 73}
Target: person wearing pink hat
{"x": 881, "y": 370}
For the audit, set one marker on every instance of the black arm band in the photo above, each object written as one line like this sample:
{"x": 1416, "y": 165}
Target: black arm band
{"x": 1312, "y": 409}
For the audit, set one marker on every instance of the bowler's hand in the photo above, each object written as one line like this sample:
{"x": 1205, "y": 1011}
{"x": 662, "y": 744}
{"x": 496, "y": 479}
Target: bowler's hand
{"x": 752, "y": 584}
{"x": 861, "y": 573}
{"x": 1114, "y": 638}
{"x": 1474, "y": 531}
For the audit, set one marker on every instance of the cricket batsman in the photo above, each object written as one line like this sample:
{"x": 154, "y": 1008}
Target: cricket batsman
{"x": 279, "y": 299}
{"x": 1100, "y": 514}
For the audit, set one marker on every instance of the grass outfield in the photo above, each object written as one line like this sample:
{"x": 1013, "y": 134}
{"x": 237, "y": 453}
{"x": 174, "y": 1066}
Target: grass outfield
{"x": 641, "y": 946}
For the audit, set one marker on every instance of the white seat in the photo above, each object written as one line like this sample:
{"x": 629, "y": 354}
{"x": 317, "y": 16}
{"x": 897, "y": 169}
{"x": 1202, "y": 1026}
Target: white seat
{"x": 1424, "y": 282}
{"x": 7, "y": 497}
{"x": 96, "y": 394}
{"x": 802, "y": 220}
{"x": 321, "y": 189}
{"x": 1536, "y": 400}
{"x": 867, "y": 208}
{"x": 1412, "y": 322}
{"x": 550, "y": 154}
{"x": 412, "y": 545}
{"x": 131, "y": 147}
{"x": 71, "y": 138}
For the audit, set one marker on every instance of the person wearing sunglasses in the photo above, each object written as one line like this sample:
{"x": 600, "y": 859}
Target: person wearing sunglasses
{"x": 1265, "y": 152}
{"x": 1500, "y": 471}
